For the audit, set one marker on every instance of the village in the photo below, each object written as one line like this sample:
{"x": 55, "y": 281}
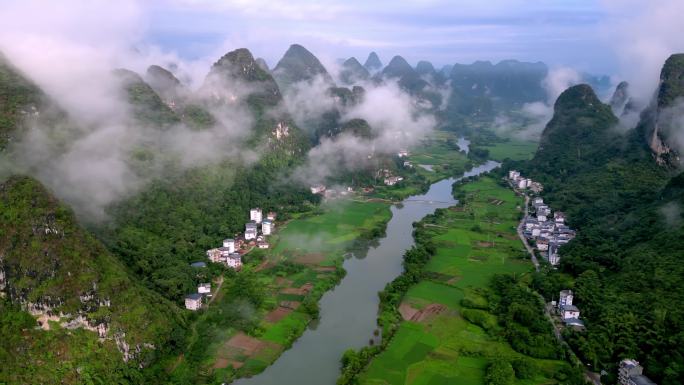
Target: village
{"x": 545, "y": 228}
{"x": 548, "y": 233}
{"x": 231, "y": 252}
{"x": 386, "y": 175}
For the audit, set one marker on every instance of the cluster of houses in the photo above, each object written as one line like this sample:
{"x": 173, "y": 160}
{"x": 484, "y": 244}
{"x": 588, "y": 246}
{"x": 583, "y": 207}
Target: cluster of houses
{"x": 331, "y": 193}
{"x": 631, "y": 373}
{"x": 523, "y": 183}
{"x": 389, "y": 179}
{"x": 548, "y": 230}
{"x": 569, "y": 313}
{"x": 230, "y": 253}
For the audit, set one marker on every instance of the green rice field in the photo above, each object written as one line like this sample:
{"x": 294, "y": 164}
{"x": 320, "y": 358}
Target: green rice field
{"x": 475, "y": 241}
{"x": 514, "y": 149}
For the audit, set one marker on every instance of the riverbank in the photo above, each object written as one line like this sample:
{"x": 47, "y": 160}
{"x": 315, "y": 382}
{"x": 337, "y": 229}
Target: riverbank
{"x": 348, "y": 312}
{"x": 234, "y": 338}
{"x": 442, "y": 323}
{"x": 306, "y": 261}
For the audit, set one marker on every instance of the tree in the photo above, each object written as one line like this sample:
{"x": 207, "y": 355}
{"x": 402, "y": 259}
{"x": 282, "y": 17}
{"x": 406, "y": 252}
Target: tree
{"x": 500, "y": 372}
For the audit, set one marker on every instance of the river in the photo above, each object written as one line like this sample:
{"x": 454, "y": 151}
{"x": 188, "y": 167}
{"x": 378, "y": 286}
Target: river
{"x": 348, "y": 312}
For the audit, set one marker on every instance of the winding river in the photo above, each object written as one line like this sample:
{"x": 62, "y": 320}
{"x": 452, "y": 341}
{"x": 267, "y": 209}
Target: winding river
{"x": 348, "y": 313}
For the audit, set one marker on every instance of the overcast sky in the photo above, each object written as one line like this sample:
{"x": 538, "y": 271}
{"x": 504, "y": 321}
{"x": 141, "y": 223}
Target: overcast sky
{"x": 554, "y": 31}
{"x": 626, "y": 38}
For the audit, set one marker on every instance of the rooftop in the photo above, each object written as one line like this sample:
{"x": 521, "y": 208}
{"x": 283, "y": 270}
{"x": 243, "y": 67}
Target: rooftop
{"x": 194, "y": 296}
{"x": 640, "y": 379}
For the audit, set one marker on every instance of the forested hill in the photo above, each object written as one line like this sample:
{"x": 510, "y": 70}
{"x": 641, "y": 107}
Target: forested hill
{"x": 236, "y": 78}
{"x": 298, "y": 64}
{"x": 63, "y": 275}
{"x": 626, "y": 260}
{"x": 585, "y": 161}
{"x": 22, "y": 102}
{"x": 170, "y": 223}
{"x": 660, "y": 123}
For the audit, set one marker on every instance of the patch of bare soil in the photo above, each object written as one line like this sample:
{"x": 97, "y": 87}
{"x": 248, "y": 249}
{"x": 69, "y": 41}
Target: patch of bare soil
{"x": 277, "y": 314}
{"x": 248, "y": 345}
{"x": 428, "y": 312}
{"x": 221, "y": 363}
{"x": 310, "y": 259}
{"x": 303, "y": 290}
{"x": 407, "y": 311}
{"x": 485, "y": 244}
{"x": 241, "y": 346}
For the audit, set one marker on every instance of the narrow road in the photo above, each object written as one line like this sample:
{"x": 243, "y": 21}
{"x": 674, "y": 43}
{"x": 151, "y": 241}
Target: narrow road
{"x": 535, "y": 262}
{"x": 218, "y": 289}
{"x": 590, "y": 376}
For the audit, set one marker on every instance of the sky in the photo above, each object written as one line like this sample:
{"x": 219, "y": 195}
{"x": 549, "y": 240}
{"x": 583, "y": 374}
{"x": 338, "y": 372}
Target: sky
{"x": 627, "y": 39}
{"x": 444, "y": 32}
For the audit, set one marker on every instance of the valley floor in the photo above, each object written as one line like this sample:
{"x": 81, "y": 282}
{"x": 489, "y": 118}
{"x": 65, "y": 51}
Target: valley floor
{"x": 435, "y": 343}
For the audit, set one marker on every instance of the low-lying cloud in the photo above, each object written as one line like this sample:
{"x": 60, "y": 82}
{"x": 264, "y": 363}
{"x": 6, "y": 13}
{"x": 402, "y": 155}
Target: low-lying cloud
{"x": 396, "y": 120}
{"x": 100, "y": 153}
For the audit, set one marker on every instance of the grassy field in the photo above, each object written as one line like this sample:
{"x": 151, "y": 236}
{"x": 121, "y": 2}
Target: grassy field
{"x": 435, "y": 344}
{"x": 323, "y": 237}
{"x": 439, "y": 151}
{"x": 514, "y": 149}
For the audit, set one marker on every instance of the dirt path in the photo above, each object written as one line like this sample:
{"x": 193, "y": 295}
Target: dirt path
{"x": 218, "y": 290}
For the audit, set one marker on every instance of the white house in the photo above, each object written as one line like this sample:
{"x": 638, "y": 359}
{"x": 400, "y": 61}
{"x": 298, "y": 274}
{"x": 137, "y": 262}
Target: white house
{"x": 536, "y": 232}
{"x": 229, "y": 243}
{"x": 193, "y": 301}
{"x": 234, "y": 260}
{"x": 266, "y": 227}
{"x": 541, "y": 218}
{"x": 255, "y": 215}
{"x": 536, "y": 187}
{"x": 271, "y": 216}
{"x": 407, "y": 164}
{"x": 262, "y": 245}
{"x": 513, "y": 174}
{"x": 204, "y": 288}
{"x": 250, "y": 230}
{"x": 523, "y": 182}
{"x": 391, "y": 181}
{"x": 538, "y": 201}
{"x": 214, "y": 255}
{"x": 402, "y": 153}
{"x": 559, "y": 217}
{"x": 317, "y": 189}
{"x": 631, "y": 373}
{"x": 542, "y": 245}
{"x": 570, "y": 311}
{"x": 565, "y": 298}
